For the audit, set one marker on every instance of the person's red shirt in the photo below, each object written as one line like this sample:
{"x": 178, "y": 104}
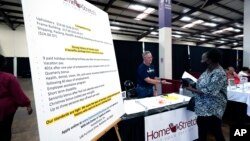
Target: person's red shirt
{"x": 11, "y": 95}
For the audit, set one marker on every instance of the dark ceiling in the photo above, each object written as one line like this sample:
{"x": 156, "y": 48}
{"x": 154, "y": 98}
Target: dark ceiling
{"x": 220, "y": 21}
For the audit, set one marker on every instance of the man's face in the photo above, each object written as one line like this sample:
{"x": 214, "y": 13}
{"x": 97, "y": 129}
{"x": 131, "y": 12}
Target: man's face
{"x": 148, "y": 59}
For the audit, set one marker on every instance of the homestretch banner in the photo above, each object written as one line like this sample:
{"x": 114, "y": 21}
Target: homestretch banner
{"x": 74, "y": 72}
{"x": 175, "y": 125}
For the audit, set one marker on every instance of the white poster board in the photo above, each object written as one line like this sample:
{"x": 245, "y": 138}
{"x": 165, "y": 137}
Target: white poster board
{"x": 74, "y": 71}
{"x": 175, "y": 125}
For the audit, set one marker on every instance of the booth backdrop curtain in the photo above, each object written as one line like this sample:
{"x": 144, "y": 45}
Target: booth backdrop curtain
{"x": 229, "y": 58}
{"x": 9, "y": 65}
{"x": 195, "y": 58}
{"x": 180, "y": 62}
{"x": 240, "y": 60}
{"x": 23, "y": 67}
{"x": 128, "y": 57}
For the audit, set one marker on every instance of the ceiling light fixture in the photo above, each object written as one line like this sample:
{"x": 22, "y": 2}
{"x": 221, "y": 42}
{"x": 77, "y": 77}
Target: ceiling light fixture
{"x": 185, "y": 18}
{"x": 198, "y": 22}
{"x": 177, "y": 36}
{"x": 115, "y": 27}
{"x": 238, "y": 36}
{"x": 237, "y": 30}
{"x": 145, "y": 13}
{"x": 137, "y": 7}
{"x": 235, "y": 43}
{"x": 223, "y": 30}
{"x": 229, "y": 29}
{"x": 141, "y": 16}
{"x": 210, "y": 24}
{"x": 154, "y": 33}
{"x": 188, "y": 25}
{"x": 192, "y": 24}
{"x": 149, "y": 10}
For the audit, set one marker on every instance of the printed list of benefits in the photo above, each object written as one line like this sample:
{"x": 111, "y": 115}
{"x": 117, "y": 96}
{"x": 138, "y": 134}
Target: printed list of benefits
{"x": 62, "y": 81}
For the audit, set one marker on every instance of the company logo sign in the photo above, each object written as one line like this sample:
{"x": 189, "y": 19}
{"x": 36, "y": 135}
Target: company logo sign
{"x": 79, "y": 6}
{"x": 172, "y": 130}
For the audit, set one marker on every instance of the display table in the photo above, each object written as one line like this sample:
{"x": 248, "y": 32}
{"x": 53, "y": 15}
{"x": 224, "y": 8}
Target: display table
{"x": 240, "y": 94}
{"x": 158, "y": 118}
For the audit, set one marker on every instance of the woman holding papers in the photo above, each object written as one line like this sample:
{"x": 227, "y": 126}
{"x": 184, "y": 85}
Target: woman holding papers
{"x": 11, "y": 97}
{"x": 210, "y": 99}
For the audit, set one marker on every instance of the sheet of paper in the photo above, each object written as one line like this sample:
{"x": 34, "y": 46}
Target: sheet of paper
{"x": 131, "y": 107}
{"x": 187, "y": 75}
{"x": 139, "y": 105}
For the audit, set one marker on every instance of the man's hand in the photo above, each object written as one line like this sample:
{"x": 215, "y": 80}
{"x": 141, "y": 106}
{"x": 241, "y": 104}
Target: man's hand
{"x": 165, "y": 82}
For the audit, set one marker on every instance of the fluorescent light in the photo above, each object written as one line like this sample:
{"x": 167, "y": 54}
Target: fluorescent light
{"x": 178, "y": 32}
{"x": 145, "y": 13}
{"x": 238, "y": 36}
{"x": 114, "y": 22}
{"x": 185, "y": 18}
{"x": 198, "y": 22}
{"x": 202, "y": 39}
{"x": 192, "y": 24}
{"x": 229, "y": 29}
{"x": 149, "y": 10}
{"x": 177, "y": 36}
{"x": 218, "y": 31}
{"x": 141, "y": 16}
{"x": 235, "y": 43}
{"x": 223, "y": 30}
{"x": 237, "y": 30}
{"x": 137, "y": 7}
{"x": 188, "y": 25}
{"x": 209, "y": 24}
{"x": 115, "y": 27}
{"x": 185, "y": 10}
{"x": 154, "y": 33}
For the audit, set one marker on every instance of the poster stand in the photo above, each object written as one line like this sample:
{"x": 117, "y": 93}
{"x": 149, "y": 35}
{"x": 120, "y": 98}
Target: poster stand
{"x": 108, "y": 128}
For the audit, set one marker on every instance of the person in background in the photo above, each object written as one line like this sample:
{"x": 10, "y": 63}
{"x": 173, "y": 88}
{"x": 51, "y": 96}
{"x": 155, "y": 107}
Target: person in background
{"x": 243, "y": 72}
{"x": 11, "y": 97}
{"x": 231, "y": 74}
{"x": 210, "y": 96}
{"x": 146, "y": 77}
